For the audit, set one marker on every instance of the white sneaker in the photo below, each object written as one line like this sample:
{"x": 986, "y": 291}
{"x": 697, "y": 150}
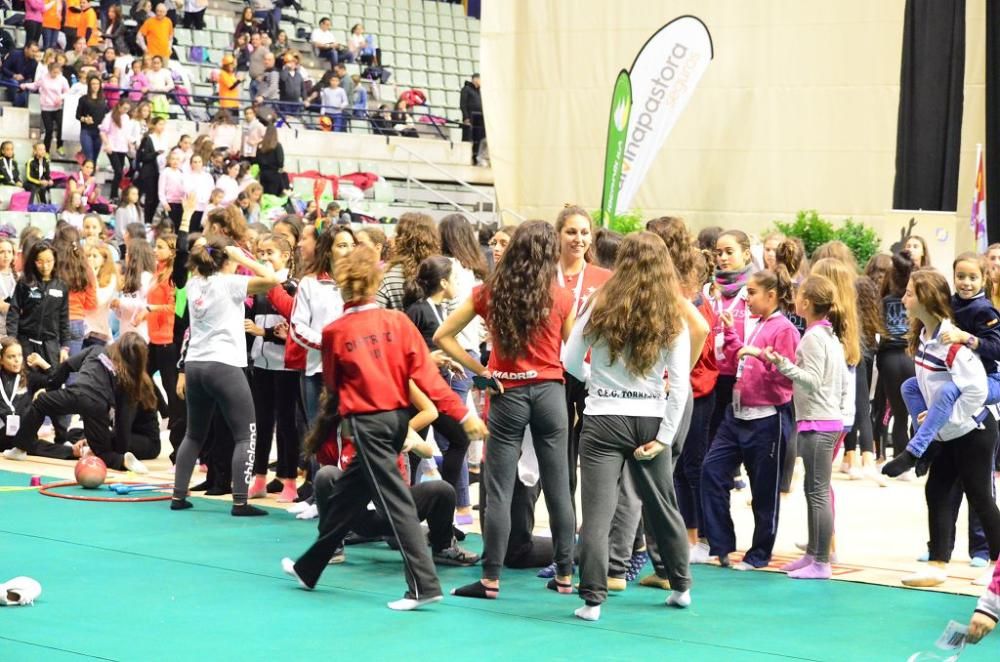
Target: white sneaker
{"x": 15, "y": 454}
{"x": 297, "y": 507}
{"x": 743, "y": 566}
{"x": 133, "y": 464}
{"x": 845, "y": 468}
{"x": 855, "y": 473}
{"x": 19, "y": 591}
{"x": 288, "y": 566}
{"x": 985, "y": 578}
{"x": 311, "y": 512}
{"x": 873, "y": 473}
{"x": 907, "y": 476}
{"x": 679, "y": 599}
{"x": 409, "y": 604}
{"x": 699, "y": 553}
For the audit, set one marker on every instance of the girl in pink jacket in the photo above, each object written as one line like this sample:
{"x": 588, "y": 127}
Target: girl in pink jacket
{"x": 51, "y": 90}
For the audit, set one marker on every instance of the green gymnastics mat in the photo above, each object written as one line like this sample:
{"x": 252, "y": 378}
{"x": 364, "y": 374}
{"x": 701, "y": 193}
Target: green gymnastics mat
{"x": 139, "y": 582}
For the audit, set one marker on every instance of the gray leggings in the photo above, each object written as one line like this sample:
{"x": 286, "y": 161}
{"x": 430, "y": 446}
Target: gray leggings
{"x": 816, "y": 449}
{"x": 216, "y": 388}
{"x": 607, "y": 447}
{"x": 541, "y": 406}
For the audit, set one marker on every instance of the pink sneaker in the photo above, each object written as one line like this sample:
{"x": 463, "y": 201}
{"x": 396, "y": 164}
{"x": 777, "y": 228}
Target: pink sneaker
{"x": 258, "y": 490}
{"x": 813, "y": 571}
{"x": 289, "y": 492}
{"x": 802, "y": 562}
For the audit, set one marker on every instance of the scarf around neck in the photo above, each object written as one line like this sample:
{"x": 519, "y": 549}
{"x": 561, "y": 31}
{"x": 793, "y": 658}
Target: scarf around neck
{"x": 731, "y": 282}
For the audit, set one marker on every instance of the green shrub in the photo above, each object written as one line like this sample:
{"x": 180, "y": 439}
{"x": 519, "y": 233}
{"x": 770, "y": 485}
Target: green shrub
{"x": 815, "y": 231}
{"x": 622, "y": 223}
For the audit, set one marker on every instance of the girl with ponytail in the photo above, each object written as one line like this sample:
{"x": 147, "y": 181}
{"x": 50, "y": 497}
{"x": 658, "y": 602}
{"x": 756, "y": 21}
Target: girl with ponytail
{"x": 822, "y": 401}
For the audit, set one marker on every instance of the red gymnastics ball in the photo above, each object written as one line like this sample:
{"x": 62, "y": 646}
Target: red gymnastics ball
{"x": 90, "y": 472}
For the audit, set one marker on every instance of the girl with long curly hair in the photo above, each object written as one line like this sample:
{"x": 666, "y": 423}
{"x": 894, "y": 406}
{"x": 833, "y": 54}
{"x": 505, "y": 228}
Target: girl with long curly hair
{"x": 416, "y": 240}
{"x": 528, "y": 316}
{"x": 634, "y": 331}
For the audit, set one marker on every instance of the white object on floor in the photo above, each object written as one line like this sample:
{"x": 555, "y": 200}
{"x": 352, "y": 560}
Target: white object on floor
{"x": 298, "y": 507}
{"x": 699, "y": 553}
{"x": 133, "y": 464}
{"x": 409, "y": 604}
{"x": 311, "y": 512}
{"x": 928, "y": 576}
{"x": 19, "y": 591}
{"x": 985, "y": 578}
{"x": 15, "y": 454}
{"x": 288, "y": 566}
{"x": 679, "y": 599}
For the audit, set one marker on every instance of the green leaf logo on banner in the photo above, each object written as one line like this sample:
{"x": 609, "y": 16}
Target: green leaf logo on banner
{"x": 621, "y": 110}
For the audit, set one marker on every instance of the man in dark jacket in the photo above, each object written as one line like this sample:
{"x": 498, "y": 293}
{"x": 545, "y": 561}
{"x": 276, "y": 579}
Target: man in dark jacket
{"x": 20, "y": 67}
{"x": 473, "y": 126}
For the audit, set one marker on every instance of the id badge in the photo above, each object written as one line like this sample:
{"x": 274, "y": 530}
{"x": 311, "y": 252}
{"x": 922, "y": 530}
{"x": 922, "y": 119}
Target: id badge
{"x": 12, "y": 424}
{"x": 736, "y": 400}
{"x": 719, "y": 342}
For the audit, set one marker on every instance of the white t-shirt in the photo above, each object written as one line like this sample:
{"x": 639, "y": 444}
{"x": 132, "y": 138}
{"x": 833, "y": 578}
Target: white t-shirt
{"x": 217, "y": 314}
{"x": 323, "y": 37}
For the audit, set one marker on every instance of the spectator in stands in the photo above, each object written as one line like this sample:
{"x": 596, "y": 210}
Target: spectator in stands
{"x": 228, "y": 184}
{"x": 117, "y": 134}
{"x": 171, "y": 188}
{"x": 78, "y": 50}
{"x": 90, "y": 111}
{"x": 271, "y": 160}
{"x": 113, "y": 92}
{"x": 382, "y": 121}
{"x": 280, "y": 45}
{"x": 225, "y": 133}
{"x": 402, "y": 120}
{"x": 340, "y": 70}
{"x": 161, "y": 83}
{"x": 73, "y": 210}
{"x": 229, "y": 86}
{"x": 325, "y": 42}
{"x": 335, "y": 104}
{"x": 194, "y": 14}
{"x": 247, "y": 24}
{"x": 20, "y": 67}
{"x": 9, "y": 174}
{"x": 33, "y": 11}
{"x": 88, "y": 27}
{"x": 108, "y": 63}
{"x": 257, "y": 64}
{"x": 71, "y": 20}
{"x": 291, "y": 85}
{"x": 251, "y": 134}
{"x": 52, "y": 22}
{"x": 242, "y": 51}
{"x": 51, "y": 90}
{"x": 152, "y": 149}
{"x": 268, "y": 12}
{"x": 156, "y": 35}
{"x": 84, "y": 183}
{"x": 137, "y": 81}
{"x": 114, "y": 29}
{"x": 357, "y": 45}
{"x": 217, "y": 162}
{"x": 39, "y": 175}
{"x": 268, "y": 88}
{"x": 473, "y": 126}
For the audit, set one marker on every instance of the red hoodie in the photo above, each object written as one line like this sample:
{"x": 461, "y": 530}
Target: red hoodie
{"x": 369, "y": 356}
{"x": 705, "y": 372}
{"x": 283, "y": 302}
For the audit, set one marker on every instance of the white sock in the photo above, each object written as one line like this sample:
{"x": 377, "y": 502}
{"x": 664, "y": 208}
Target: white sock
{"x": 288, "y": 566}
{"x": 133, "y": 464}
{"x": 310, "y": 512}
{"x": 409, "y": 604}
{"x": 297, "y": 508}
{"x": 588, "y": 612}
{"x": 15, "y": 454}
{"x": 679, "y": 599}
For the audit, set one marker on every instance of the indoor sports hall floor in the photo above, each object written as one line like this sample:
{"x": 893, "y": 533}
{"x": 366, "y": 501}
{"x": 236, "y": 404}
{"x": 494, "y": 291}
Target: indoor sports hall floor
{"x": 138, "y": 582}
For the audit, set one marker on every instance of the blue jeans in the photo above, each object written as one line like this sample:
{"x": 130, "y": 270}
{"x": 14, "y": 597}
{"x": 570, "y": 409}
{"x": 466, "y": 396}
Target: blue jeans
{"x": 312, "y": 388}
{"x": 939, "y": 411}
{"x": 50, "y": 38}
{"x": 461, "y": 386}
{"x": 90, "y": 143}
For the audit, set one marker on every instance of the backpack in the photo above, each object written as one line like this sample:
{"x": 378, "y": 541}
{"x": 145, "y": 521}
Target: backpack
{"x": 197, "y": 54}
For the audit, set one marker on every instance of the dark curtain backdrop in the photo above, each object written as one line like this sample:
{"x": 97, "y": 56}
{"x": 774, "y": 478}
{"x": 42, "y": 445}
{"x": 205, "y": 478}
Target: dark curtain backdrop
{"x": 929, "y": 135}
{"x": 993, "y": 119}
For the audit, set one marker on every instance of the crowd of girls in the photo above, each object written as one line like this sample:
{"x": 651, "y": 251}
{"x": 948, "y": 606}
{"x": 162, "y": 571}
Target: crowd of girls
{"x": 647, "y": 369}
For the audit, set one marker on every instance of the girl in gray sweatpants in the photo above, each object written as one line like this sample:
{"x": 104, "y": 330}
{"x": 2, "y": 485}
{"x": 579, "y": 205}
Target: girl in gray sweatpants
{"x": 823, "y": 392}
{"x": 629, "y": 418}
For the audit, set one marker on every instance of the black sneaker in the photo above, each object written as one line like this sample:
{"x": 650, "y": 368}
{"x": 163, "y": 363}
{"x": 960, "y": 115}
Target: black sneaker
{"x": 274, "y": 486}
{"x": 455, "y": 555}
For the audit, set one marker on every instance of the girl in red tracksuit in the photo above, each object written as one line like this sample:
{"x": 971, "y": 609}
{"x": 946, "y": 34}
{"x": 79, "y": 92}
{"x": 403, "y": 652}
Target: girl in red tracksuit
{"x": 369, "y": 357}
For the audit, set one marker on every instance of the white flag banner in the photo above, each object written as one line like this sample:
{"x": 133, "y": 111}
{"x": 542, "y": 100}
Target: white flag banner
{"x": 664, "y": 75}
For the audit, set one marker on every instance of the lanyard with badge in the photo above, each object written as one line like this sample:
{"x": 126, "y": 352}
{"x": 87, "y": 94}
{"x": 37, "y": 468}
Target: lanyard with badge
{"x": 13, "y": 422}
{"x": 749, "y": 321}
{"x": 743, "y": 359}
{"x": 578, "y": 290}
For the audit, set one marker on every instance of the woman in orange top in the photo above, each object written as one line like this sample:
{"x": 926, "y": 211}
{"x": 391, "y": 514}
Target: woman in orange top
{"x": 162, "y": 351}
{"x": 229, "y": 86}
{"x": 52, "y": 19}
{"x": 71, "y": 21}
{"x": 74, "y": 270}
{"x": 87, "y": 25}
